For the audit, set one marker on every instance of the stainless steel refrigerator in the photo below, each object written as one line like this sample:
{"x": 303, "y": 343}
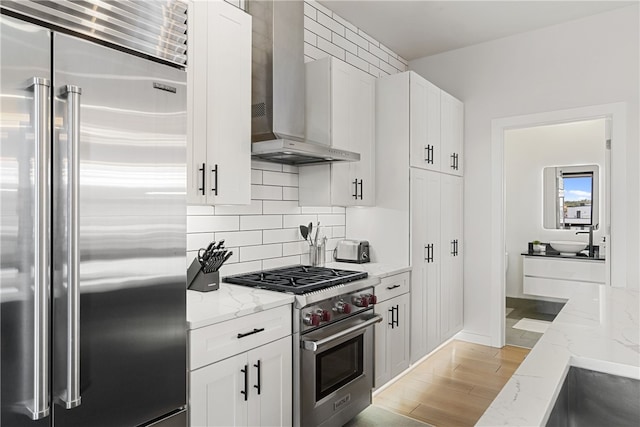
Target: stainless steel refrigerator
{"x": 92, "y": 261}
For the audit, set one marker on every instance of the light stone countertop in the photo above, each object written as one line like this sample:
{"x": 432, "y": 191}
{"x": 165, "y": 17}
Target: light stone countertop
{"x": 228, "y": 302}
{"x": 598, "y": 329}
{"x": 377, "y": 269}
{"x": 231, "y": 301}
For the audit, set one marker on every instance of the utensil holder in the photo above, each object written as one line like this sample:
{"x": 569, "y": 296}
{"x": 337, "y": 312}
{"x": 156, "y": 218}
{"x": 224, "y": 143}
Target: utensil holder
{"x": 198, "y": 280}
{"x": 317, "y": 255}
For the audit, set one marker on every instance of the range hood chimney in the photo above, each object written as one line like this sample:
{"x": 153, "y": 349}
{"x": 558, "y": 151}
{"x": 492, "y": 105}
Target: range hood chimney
{"x": 278, "y": 87}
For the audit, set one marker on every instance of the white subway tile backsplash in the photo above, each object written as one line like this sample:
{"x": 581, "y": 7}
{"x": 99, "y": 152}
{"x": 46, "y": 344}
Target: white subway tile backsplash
{"x": 295, "y": 248}
{"x": 317, "y": 210}
{"x": 266, "y": 166}
{"x": 370, "y": 58}
{"x": 240, "y": 238}
{"x": 357, "y": 62}
{"x": 202, "y": 224}
{"x": 254, "y": 208}
{"x": 346, "y": 23}
{"x": 266, "y": 234}
{"x": 196, "y": 241}
{"x": 331, "y": 48}
{"x": 281, "y": 236}
{"x": 281, "y": 262}
{"x": 290, "y": 193}
{"x": 378, "y": 52}
{"x": 320, "y": 7}
{"x": 368, "y": 38}
{"x": 199, "y": 210}
{"x": 240, "y": 268}
{"x": 352, "y": 36}
{"x": 310, "y": 11}
{"x": 266, "y": 192}
{"x": 317, "y": 28}
{"x": 260, "y": 222}
{"x": 331, "y": 23}
{"x": 252, "y": 253}
{"x": 344, "y": 43}
{"x": 280, "y": 178}
{"x": 256, "y": 176}
{"x": 291, "y": 221}
{"x": 281, "y": 207}
{"x": 333, "y": 219}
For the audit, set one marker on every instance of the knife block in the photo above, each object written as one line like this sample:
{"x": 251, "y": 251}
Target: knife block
{"x": 198, "y": 280}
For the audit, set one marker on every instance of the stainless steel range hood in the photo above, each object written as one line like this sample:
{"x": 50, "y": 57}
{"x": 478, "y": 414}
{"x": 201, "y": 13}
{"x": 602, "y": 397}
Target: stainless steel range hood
{"x": 278, "y": 88}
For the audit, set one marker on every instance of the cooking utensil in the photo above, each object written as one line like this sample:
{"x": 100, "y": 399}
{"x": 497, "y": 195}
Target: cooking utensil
{"x": 315, "y": 239}
{"x": 304, "y": 231}
{"x": 310, "y": 226}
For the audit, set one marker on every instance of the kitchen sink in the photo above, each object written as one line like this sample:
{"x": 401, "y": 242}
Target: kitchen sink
{"x": 591, "y": 398}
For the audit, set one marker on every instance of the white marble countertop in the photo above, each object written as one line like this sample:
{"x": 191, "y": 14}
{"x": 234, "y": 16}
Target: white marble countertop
{"x": 377, "y": 269}
{"x": 229, "y": 302}
{"x": 598, "y": 329}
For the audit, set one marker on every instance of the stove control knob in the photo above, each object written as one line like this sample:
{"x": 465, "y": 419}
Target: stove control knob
{"x": 324, "y": 315}
{"x": 371, "y": 298}
{"x": 343, "y": 307}
{"x": 311, "y": 319}
{"x": 361, "y": 301}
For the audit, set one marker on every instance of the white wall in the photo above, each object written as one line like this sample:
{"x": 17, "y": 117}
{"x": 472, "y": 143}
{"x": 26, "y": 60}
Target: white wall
{"x": 591, "y": 61}
{"x": 526, "y": 153}
{"x": 266, "y": 233}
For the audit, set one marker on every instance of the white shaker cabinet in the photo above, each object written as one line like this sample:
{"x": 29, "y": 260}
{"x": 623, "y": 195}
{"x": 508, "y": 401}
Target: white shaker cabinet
{"x": 424, "y": 99}
{"x": 340, "y": 112}
{"x": 392, "y": 334}
{"x": 218, "y": 104}
{"x": 451, "y": 134}
{"x": 240, "y": 371}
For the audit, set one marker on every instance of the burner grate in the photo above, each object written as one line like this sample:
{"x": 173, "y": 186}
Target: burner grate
{"x": 299, "y": 279}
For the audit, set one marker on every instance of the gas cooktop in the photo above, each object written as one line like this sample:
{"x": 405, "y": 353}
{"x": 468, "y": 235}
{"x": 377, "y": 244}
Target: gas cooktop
{"x": 298, "y": 279}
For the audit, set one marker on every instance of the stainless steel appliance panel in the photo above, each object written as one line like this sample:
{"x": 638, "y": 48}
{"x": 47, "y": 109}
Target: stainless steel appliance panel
{"x": 133, "y": 132}
{"x": 119, "y": 321}
{"x": 24, "y": 264}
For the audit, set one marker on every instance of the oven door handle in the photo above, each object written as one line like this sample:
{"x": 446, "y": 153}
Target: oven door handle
{"x": 314, "y": 345}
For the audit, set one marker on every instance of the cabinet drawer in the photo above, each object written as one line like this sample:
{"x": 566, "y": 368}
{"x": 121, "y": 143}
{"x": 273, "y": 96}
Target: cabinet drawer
{"x": 554, "y": 288}
{"x": 222, "y": 340}
{"x": 578, "y": 270}
{"x": 392, "y": 286}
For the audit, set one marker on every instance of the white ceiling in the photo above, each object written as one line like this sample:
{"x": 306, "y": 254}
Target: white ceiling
{"x": 414, "y": 29}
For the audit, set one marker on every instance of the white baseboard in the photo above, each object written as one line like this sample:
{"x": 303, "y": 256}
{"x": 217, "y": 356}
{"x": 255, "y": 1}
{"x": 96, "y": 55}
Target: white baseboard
{"x": 473, "y": 338}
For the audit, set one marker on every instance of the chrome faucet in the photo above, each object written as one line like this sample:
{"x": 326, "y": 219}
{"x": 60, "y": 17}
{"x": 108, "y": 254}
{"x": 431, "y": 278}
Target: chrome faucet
{"x": 590, "y": 233}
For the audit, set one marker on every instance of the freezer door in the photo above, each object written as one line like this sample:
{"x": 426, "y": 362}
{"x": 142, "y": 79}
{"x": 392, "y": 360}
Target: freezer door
{"x": 24, "y": 228}
{"x": 119, "y": 309}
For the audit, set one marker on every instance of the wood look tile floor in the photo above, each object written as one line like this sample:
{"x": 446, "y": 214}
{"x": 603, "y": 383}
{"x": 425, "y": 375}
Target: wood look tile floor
{"x": 454, "y": 386}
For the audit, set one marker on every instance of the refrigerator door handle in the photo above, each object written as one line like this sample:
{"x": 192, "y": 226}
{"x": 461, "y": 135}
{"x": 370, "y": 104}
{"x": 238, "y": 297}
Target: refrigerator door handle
{"x": 71, "y": 397}
{"x": 40, "y": 408}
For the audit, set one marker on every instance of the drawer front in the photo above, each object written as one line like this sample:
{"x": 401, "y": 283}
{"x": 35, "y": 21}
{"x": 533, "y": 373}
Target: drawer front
{"x": 392, "y": 286}
{"x": 554, "y": 288}
{"x": 216, "y": 342}
{"x": 583, "y": 271}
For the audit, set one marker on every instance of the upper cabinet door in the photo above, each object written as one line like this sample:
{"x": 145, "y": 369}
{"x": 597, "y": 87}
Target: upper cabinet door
{"x": 452, "y": 124}
{"x": 425, "y": 123}
{"x": 220, "y": 104}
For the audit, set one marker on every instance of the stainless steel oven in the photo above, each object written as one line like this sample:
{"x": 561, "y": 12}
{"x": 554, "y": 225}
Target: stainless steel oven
{"x": 336, "y": 370}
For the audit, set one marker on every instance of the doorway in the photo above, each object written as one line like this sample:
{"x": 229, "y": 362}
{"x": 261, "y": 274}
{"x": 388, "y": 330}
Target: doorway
{"x": 615, "y": 170}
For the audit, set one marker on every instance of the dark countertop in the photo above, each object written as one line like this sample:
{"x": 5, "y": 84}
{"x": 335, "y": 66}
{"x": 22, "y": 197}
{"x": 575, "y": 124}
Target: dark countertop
{"x": 552, "y": 253}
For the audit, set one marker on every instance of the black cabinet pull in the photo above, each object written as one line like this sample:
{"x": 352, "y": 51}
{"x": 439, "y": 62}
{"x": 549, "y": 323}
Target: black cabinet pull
{"x": 215, "y": 180}
{"x": 258, "y": 386}
{"x": 361, "y": 192}
{"x": 391, "y": 321}
{"x": 397, "y": 316}
{"x": 246, "y": 334}
{"x": 453, "y": 161}
{"x": 203, "y": 170}
{"x": 426, "y": 153}
{"x": 453, "y": 247}
{"x": 246, "y": 382}
{"x": 393, "y": 287}
{"x": 355, "y": 185}
{"x": 429, "y": 158}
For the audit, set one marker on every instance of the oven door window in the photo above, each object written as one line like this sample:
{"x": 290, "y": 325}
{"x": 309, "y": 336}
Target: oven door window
{"x": 338, "y": 366}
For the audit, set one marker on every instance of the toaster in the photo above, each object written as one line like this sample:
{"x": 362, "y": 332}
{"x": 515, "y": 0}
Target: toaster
{"x": 352, "y": 251}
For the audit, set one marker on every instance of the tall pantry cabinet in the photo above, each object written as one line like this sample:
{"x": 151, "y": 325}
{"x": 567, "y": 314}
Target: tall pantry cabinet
{"x": 419, "y": 158}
